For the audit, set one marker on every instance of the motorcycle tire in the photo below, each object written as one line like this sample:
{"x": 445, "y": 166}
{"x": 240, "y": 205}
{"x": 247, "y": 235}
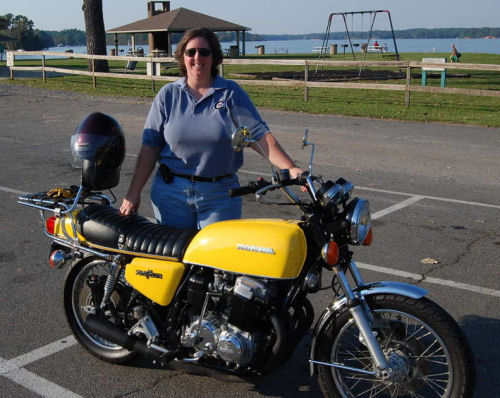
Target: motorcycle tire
{"x": 77, "y": 304}
{"x": 417, "y": 336}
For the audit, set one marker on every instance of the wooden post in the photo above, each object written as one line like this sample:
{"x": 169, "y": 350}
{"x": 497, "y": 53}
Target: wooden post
{"x": 306, "y": 79}
{"x": 221, "y": 70}
{"x": 44, "y": 77}
{"x": 94, "y": 82}
{"x": 408, "y": 82}
{"x": 153, "y": 84}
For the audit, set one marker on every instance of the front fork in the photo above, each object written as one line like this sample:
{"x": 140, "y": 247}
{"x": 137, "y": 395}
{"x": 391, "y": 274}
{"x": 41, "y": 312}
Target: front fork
{"x": 363, "y": 317}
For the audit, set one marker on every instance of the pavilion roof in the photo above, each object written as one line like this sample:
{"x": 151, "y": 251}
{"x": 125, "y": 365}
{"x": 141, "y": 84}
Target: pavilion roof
{"x": 178, "y": 20}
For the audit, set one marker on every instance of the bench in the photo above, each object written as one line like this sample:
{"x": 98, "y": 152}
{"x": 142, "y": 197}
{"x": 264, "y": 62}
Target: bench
{"x": 319, "y": 50}
{"x": 426, "y": 69}
{"x": 376, "y": 49}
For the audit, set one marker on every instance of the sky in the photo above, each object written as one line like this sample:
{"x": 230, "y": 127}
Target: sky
{"x": 272, "y": 16}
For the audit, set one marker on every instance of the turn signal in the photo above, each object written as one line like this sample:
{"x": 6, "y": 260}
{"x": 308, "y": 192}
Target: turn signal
{"x": 330, "y": 253}
{"x": 369, "y": 238}
{"x": 50, "y": 224}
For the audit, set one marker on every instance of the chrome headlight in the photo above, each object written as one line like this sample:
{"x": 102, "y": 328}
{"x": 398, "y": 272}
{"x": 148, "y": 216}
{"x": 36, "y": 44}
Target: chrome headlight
{"x": 359, "y": 220}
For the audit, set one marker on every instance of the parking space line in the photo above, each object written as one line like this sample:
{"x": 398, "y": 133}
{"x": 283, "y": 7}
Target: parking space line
{"x": 396, "y": 207}
{"x": 13, "y": 370}
{"x": 43, "y": 352}
{"x": 436, "y": 281}
{"x": 438, "y": 198}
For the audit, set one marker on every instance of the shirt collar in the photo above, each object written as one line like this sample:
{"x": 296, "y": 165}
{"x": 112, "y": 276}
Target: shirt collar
{"x": 219, "y": 83}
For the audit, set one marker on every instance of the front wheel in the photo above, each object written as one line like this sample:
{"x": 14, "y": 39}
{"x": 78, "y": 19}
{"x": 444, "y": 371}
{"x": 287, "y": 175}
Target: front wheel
{"x": 424, "y": 345}
{"x": 84, "y": 286}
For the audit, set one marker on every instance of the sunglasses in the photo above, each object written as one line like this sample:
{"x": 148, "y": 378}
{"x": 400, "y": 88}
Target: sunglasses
{"x": 204, "y": 52}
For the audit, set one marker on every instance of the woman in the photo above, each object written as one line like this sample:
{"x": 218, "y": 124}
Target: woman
{"x": 188, "y": 132}
{"x": 454, "y": 57}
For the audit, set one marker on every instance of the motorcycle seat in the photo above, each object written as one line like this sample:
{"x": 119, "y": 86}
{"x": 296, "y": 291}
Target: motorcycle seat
{"x": 104, "y": 226}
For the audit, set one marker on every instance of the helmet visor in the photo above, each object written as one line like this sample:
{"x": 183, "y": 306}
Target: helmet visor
{"x": 85, "y": 146}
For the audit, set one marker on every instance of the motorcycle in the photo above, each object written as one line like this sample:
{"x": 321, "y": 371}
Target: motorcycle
{"x": 233, "y": 296}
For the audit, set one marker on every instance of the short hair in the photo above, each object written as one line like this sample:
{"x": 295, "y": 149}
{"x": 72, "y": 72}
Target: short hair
{"x": 213, "y": 42}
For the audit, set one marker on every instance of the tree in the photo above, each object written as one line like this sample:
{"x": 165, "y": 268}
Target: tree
{"x": 96, "y": 35}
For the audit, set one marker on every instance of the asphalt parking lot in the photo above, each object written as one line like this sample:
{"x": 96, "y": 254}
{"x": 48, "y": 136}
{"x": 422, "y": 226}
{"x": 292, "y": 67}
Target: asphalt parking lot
{"x": 434, "y": 190}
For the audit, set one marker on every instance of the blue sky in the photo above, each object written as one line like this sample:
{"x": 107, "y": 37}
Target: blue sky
{"x": 271, "y": 16}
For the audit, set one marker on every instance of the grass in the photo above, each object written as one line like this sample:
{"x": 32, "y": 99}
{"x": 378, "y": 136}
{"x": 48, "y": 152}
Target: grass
{"x": 426, "y": 107}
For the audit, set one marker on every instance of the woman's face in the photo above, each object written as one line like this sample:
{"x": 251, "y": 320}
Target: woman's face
{"x": 198, "y": 63}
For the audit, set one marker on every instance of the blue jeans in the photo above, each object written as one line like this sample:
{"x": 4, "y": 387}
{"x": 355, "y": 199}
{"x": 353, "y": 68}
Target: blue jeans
{"x": 185, "y": 204}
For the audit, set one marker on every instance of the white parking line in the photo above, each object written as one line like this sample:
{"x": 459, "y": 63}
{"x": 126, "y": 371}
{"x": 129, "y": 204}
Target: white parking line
{"x": 13, "y": 370}
{"x": 436, "y": 281}
{"x": 396, "y": 207}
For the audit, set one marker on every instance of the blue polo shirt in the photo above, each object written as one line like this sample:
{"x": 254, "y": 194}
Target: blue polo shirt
{"x": 195, "y": 136}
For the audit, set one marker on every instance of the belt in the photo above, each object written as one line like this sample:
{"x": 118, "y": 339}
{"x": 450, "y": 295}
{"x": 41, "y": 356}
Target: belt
{"x": 167, "y": 175}
{"x": 194, "y": 178}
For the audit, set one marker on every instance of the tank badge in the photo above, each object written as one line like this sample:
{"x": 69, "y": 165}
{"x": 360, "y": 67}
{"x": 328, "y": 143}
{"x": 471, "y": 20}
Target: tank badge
{"x": 148, "y": 274}
{"x": 256, "y": 249}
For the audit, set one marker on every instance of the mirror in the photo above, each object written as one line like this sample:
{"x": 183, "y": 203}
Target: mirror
{"x": 241, "y": 138}
{"x": 304, "y": 139}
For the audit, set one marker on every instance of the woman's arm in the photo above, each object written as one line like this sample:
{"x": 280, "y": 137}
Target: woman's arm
{"x": 144, "y": 166}
{"x": 277, "y": 155}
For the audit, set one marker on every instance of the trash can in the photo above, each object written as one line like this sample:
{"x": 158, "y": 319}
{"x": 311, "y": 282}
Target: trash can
{"x": 333, "y": 49}
{"x": 233, "y": 51}
{"x": 261, "y": 49}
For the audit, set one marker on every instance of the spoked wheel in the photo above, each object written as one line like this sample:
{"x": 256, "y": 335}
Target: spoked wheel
{"x": 424, "y": 345}
{"x": 82, "y": 278}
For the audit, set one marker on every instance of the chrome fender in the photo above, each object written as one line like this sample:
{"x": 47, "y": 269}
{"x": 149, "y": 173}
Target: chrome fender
{"x": 396, "y": 288}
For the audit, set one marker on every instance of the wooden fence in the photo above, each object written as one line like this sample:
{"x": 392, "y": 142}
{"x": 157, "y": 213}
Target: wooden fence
{"x": 407, "y": 87}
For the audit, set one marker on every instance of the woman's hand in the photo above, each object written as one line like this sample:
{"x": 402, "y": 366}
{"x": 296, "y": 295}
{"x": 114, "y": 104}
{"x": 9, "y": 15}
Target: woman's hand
{"x": 130, "y": 204}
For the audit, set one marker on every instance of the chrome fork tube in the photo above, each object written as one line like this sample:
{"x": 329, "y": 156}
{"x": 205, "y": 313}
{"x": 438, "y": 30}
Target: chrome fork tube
{"x": 358, "y": 312}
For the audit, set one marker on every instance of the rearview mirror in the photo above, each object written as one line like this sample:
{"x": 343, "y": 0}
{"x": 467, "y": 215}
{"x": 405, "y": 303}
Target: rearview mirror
{"x": 241, "y": 138}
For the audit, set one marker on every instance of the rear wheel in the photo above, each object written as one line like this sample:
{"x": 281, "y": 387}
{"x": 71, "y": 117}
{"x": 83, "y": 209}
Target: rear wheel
{"x": 425, "y": 346}
{"x": 79, "y": 303}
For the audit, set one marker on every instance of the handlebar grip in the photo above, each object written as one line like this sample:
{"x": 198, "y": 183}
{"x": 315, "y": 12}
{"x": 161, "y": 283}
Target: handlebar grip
{"x": 234, "y": 192}
{"x": 253, "y": 187}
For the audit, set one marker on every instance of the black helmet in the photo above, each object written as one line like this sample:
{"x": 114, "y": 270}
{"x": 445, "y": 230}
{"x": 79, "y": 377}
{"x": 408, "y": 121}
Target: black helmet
{"x": 98, "y": 147}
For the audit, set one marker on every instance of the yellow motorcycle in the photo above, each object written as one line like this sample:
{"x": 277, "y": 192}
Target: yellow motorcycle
{"x": 234, "y": 295}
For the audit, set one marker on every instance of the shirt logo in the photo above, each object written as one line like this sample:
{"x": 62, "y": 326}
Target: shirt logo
{"x": 220, "y": 105}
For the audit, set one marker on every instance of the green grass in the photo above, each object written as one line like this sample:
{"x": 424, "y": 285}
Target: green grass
{"x": 428, "y": 107}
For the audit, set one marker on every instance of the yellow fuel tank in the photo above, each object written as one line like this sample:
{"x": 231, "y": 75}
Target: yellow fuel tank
{"x": 267, "y": 248}
{"x": 156, "y": 279}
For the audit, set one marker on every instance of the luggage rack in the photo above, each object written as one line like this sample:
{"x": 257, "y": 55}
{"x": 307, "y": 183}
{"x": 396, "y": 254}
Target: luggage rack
{"x": 62, "y": 207}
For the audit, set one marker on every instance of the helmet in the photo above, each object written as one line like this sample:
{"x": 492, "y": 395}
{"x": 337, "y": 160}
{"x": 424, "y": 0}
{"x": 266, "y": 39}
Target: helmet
{"x": 98, "y": 147}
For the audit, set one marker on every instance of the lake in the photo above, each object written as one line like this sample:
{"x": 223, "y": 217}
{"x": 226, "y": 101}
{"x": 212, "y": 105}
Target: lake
{"x": 491, "y": 46}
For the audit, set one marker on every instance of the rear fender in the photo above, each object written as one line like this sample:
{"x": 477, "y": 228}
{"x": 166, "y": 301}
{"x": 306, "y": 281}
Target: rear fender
{"x": 396, "y": 288}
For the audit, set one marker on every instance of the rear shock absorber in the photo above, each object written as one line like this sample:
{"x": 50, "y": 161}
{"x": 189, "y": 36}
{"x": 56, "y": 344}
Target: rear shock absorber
{"x": 114, "y": 270}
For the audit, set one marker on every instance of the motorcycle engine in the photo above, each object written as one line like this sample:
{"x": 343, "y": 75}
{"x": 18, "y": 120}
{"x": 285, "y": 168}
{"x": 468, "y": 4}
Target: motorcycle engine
{"x": 219, "y": 339}
{"x": 231, "y": 326}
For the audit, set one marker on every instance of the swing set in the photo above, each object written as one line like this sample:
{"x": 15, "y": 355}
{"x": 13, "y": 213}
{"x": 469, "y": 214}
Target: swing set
{"x": 365, "y": 46}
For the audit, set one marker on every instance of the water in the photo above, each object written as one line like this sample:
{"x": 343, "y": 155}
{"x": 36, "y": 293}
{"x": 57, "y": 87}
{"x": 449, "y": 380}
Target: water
{"x": 491, "y": 46}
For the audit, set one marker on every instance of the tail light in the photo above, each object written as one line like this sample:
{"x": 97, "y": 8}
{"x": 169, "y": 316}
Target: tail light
{"x": 50, "y": 225}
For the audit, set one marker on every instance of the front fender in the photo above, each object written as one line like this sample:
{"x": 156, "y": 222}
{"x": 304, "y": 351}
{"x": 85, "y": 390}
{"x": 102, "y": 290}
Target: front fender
{"x": 396, "y": 288}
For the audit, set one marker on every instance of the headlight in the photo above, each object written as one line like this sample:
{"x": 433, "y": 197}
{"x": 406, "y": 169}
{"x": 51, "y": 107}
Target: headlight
{"x": 359, "y": 220}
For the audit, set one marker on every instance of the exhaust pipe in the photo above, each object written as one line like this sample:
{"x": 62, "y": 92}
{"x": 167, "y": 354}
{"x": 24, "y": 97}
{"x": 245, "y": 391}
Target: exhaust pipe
{"x": 117, "y": 335}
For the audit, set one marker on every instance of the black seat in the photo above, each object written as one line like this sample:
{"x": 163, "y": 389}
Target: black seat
{"x": 105, "y": 226}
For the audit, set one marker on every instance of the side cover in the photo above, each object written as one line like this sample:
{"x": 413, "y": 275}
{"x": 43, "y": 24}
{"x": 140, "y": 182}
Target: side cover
{"x": 156, "y": 279}
{"x": 261, "y": 247}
